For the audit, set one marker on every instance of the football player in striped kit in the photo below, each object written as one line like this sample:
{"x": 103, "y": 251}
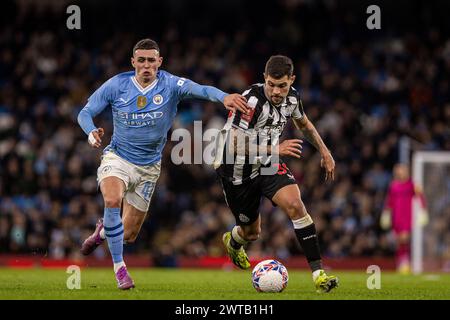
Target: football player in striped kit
{"x": 249, "y": 164}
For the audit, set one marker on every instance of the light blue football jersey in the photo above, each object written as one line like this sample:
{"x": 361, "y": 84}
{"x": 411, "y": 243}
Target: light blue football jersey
{"x": 142, "y": 116}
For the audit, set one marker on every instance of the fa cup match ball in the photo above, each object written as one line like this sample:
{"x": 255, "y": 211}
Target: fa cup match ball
{"x": 270, "y": 276}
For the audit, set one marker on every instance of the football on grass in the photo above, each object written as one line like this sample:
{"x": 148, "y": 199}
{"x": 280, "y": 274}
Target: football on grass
{"x": 270, "y": 276}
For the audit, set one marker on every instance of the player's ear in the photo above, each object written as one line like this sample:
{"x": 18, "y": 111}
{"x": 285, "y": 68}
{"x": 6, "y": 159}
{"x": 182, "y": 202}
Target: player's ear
{"x": 160, "y": 61}
{"x": 292, "y": 79}
{"x": 265, "y": 76}
{"x": 132, "y": 61}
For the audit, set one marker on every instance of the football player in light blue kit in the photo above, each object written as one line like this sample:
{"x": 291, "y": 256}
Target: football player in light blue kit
{"x": 144, "y": 105}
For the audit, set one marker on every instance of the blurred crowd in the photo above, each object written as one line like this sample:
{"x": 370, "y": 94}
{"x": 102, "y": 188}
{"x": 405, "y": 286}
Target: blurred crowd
{"x": 363, "y": 93}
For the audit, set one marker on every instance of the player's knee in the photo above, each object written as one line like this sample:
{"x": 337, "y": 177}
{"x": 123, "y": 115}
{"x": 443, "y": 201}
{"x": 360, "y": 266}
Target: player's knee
{"x": 112, "y": 201}
{"x": 295, "y": 209}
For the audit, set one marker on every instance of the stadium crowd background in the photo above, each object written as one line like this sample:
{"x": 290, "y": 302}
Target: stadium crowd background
{"x": 362, "y": 89}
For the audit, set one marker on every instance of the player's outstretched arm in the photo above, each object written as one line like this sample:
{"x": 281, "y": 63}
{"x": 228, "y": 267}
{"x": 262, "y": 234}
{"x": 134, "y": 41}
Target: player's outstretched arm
{"x": 232, "y": 102}
{"x": 311, "y": 134}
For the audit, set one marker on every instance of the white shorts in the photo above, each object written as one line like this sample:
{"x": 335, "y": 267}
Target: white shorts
{"x": 139, "y": 181}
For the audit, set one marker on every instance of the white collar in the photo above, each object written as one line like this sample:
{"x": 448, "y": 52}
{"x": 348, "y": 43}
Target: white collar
{"x": 146, "y": 89}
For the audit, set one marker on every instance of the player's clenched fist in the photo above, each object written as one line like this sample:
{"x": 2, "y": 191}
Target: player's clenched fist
{"x": 291, "y": 148}
{"x": 233, "y": 102}
{"x": 95, "y": 136}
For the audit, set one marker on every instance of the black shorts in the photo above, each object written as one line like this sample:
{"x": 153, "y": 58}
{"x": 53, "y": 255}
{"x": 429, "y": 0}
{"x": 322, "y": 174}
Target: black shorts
{"x": 244, "y": 199}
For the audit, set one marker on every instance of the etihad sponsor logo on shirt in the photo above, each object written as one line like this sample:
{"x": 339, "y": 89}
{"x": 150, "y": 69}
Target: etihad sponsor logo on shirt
{"x": 140, "y": 118}
{"x": 274, "y": 128}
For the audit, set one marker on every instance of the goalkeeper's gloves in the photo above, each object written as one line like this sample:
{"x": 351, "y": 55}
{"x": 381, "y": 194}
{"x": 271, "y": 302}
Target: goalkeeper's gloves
{"x": 423, "y": 217}
{"x": 385, "y": 219}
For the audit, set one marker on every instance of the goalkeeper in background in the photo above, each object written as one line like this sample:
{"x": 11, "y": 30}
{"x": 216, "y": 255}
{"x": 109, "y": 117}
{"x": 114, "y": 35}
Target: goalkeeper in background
{"x": 398, "y": 214}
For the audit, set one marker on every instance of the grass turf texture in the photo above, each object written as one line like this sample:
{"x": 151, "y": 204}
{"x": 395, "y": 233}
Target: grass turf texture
{"x": 202, "y": 284}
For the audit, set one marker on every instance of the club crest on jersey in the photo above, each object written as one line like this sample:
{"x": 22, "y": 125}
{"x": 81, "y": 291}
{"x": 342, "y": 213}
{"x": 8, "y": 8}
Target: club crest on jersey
{"x": 243, "y": 218}
{"x": 292, "y": 100}
{"x": 106, "y": 169}
{"x": 158, "y": 99}
{"x": 141, "y": 102}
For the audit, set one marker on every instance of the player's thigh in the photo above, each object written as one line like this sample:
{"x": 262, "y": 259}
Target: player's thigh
{"x": 288, "y": 198}
{"x": 403, "y": 236}
{"x": 137, "y": 199}
{"x": 271, "y": 184}
{"x": 112, "y": 189}
{"x": 284, "y": 192}
{"x": 113, "y": 176}
{"x": 402, "y": 225}
{"x": 132, "y": 219}
{"x": 140, "y": 194}
{"x": 243, "y": 201}
{"x": 282, "y": 189}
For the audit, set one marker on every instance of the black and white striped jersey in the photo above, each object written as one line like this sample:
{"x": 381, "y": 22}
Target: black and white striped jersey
{"x": 264, "y": 124}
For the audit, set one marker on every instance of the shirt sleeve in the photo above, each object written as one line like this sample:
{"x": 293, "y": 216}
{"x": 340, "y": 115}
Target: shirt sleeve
{"x": 97, "y": 102}
{"x": 189, "y": 89}
{"x": 298, "y": 112}
{"x": 248, "y": 121}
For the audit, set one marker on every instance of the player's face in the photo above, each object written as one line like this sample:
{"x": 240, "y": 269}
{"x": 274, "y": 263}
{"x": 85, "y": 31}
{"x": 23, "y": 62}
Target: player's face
{"x": 146, "y": 64}
{"x": 401, "y": 172}
{"x": 277, "y": 89}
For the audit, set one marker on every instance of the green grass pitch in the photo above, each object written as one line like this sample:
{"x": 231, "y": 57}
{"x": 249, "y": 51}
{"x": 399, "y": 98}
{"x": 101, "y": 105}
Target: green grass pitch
{"x": 206, "y": 284}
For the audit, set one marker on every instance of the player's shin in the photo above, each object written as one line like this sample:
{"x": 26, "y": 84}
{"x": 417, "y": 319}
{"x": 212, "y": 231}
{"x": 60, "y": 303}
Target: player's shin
{"x": 403, "y": 257}
{"x": 114, "y": 235}
{"x": 305, "y": 231}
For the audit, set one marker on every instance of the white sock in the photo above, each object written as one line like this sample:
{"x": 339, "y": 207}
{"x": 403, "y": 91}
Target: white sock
{"x": 237, "y": 237}
{"x": 316, "y": 273}
{"x": 118, "y": 265}
{"x": 302, "y": 222}
{"x": 102, "y": 234}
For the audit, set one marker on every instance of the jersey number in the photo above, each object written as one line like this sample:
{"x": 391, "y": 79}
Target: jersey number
{"x": 282, "y": 169}
{"x": 148, "y": 190}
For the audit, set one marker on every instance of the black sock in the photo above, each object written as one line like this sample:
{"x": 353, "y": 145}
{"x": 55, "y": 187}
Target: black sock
{"x": 309, "y": 242}
{"x": 234, "y": 244}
